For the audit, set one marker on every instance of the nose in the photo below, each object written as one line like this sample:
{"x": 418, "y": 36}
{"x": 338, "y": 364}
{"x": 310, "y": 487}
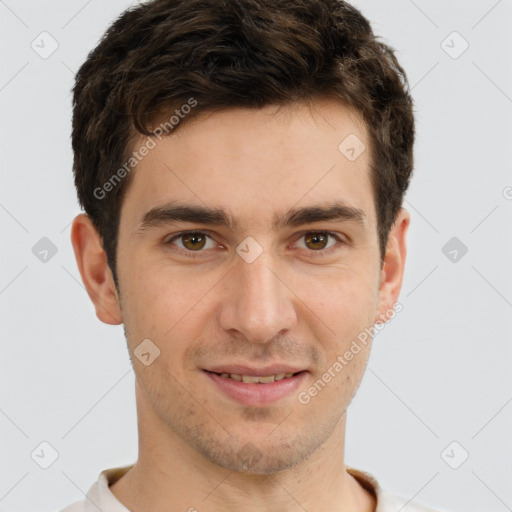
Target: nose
{"x": 258, "y": 304}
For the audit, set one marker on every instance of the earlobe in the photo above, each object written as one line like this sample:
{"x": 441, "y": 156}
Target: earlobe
{"x": 393, "y": 268}
{"x": 94, "y": 270}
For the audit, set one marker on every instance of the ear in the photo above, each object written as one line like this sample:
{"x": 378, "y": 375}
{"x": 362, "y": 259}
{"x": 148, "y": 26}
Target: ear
{"x": 96, "y": 275}
{"x": 393, "y": 267}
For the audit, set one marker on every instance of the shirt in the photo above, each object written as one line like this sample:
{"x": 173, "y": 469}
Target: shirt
{"x": 100, "y": 497}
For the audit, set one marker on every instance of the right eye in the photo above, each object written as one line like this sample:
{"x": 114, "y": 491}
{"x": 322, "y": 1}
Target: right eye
{"x": 191, "y": 241}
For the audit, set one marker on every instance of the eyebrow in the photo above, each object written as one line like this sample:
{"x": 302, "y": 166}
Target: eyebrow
{"x": 172, "y": 212}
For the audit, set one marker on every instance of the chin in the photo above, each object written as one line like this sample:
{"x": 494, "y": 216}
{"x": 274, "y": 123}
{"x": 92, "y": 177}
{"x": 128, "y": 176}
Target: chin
{"x": 257, "y": 455}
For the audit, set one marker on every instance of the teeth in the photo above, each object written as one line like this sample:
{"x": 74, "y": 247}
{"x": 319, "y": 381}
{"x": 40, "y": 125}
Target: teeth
{"x": 251, "y": 379}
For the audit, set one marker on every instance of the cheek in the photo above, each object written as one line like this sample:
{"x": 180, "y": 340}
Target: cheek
{"x": 347, "y": 306}
{"x": 168, "y": 307}
{"x": 346, "y": 300}
{"x": 154, "y": 289}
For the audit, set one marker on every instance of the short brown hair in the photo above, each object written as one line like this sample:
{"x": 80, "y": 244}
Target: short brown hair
{"x": 234, "y": 53}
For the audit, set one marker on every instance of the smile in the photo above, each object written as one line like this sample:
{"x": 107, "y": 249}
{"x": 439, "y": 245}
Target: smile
{"x": 256, "y": 390}
{"x": 251, "y": 379}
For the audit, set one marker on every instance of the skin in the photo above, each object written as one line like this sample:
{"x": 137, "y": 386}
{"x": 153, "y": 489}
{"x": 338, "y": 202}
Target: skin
{"x": 291, "y": 305}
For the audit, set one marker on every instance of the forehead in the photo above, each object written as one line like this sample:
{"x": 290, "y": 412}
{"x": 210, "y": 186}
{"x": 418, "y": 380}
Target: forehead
{"x": 256, "y": 164}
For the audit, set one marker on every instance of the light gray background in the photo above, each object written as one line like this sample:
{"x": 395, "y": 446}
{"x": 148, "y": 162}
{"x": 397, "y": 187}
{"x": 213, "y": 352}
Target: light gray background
{"x": 439, "y": 372}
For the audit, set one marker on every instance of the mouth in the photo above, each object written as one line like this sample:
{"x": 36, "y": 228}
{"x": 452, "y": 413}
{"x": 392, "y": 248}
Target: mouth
{"x": 256, "y": 390}
{"x": 255, "y": 379}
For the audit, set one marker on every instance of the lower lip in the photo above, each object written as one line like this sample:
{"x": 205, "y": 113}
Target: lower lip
{"x": 257, "y": 393}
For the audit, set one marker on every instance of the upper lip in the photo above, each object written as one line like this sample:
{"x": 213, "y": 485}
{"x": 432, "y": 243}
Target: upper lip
{"x": 237, "y": 369}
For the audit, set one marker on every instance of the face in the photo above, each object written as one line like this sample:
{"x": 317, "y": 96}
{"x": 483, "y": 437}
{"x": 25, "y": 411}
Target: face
{"x": 248, "y": 246}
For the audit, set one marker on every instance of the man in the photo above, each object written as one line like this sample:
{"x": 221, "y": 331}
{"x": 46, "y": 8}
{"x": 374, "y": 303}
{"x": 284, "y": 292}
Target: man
{"x": 242, "y": 166}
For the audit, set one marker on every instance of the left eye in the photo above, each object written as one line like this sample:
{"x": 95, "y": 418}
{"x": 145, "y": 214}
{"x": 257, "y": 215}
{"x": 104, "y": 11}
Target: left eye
{"x": 193, "y": 241}
{"x": 318, "y": 241}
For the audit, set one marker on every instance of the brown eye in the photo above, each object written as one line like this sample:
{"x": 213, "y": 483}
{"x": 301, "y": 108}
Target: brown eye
{"x": 320, "y": 243}
{"x": 193, "y": 241}
{"x": 316, "y": 241}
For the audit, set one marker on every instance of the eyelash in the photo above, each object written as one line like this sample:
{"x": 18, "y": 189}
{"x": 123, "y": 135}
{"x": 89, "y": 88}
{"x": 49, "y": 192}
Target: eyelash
{"x": 198, "y": 254}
